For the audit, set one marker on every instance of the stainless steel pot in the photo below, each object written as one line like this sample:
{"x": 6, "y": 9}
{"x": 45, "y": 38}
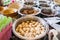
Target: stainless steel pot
{"x": 29, "y": 17}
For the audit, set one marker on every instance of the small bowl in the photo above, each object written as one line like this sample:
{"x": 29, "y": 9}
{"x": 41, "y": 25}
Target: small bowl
{"x": 44, "y": 6}
{"x": 29, "y": 4}
{"x": 29, "y": 17}
{"x": 46, "y": 13}
{"x": 37, "y": 9}
{"x": 44, "y": 2}
{"x": 9, "y": 14}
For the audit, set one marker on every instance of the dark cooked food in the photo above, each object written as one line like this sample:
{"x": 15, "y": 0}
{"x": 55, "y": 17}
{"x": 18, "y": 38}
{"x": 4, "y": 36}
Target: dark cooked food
{"x": 29, "y": 3}
{"x": 42, "y": 1}
{"x": 28, "y": 11}
{"x": 46, "y": 11}
{"x": 44, "y": 5}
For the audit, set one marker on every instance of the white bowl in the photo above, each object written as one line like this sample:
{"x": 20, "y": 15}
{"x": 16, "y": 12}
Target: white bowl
{"x": 37, "y": 9}
{"x": 45, "y": 7}
{"x": 28, "y": 17}
{"x": 52, "y": 14}
{"x": 28, "y": 5}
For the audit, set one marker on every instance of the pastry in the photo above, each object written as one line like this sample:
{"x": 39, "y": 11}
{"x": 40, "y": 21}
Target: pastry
{"x": 14, "y": 5}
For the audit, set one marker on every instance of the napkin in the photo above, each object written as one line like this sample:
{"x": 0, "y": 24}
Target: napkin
{"x": 52, "y": 21}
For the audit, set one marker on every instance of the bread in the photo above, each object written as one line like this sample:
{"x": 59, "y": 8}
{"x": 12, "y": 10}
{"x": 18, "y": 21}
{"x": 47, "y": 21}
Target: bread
{"x": 14, "y": 5}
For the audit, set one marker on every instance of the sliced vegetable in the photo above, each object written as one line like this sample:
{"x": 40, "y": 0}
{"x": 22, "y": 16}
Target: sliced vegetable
{"x": 4, "y": 21}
